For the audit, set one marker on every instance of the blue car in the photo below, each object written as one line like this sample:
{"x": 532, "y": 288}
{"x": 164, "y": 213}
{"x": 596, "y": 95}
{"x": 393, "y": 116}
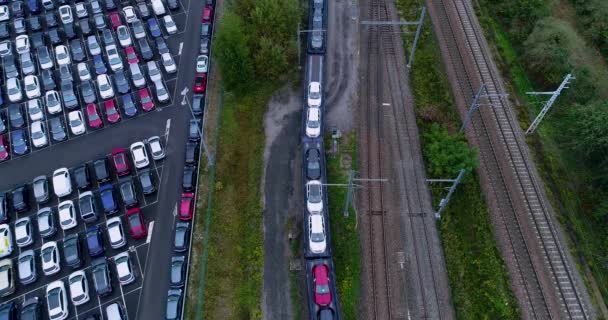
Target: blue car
{"x": 107, "y": 198}
{"x": 128, "y": 106}
{"x": 154, "y": 28}
{"x": 95, "y": 241}
{"x": 19, "y": 142}
{"x": 33, "y": 6}
{"x": 100, "y": 66}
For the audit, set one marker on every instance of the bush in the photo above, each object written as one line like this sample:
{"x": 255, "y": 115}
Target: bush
{"x": 593, "y": 14}
{"x": 519, "y": 16}
{"x": 233, "y": 53}
{"x": 446, "y": 154}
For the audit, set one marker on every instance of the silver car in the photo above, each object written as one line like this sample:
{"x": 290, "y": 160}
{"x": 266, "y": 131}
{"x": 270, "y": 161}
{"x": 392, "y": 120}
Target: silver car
{"x": 27, "y": 267}
{"x": 41, "y": 189}
{"x": 27, "y": 64}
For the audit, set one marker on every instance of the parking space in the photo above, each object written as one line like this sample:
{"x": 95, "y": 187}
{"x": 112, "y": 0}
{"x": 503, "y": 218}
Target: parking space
{"x": 64, "y": 78}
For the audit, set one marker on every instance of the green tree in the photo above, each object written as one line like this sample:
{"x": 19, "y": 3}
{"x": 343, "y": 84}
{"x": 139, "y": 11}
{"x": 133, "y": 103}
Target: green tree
{"x": 520, "y": 15}
{"x": 589, "y": 131}
{"x": 446, "y": 154}
{"x": 270, "y": 59}
{"x": 233, "y": 53}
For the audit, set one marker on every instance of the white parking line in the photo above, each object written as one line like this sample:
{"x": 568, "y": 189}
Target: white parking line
{"x": 150, "y": 229}
{"x": 181, "y": 46}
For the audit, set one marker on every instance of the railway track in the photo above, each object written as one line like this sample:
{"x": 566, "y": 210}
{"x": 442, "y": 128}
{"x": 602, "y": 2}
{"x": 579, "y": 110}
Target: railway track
{"x": 543, "y": 278}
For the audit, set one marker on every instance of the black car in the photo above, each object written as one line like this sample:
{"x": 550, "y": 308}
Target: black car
{"x": 107, "y": 37}
{"x": 189, "y": 178}
{"x": 19, "y": 141}
{"x": 146, "y": 181}
{"x": 85, "y": 27}
{"x": 31, "y": 310}
{"x": 17, "y": 9}
{"x": 37, "y": 40}
{"x": 182, "y": 236}
{"x": 72, "y": 251}
{"x": 194, "y": 129}
{"x": 69, "y": 97}
{"x": 34, "y": 6}
{"x": 313, "y": 164}
{"x": 8, "y": 311}
{"x": 145, "y": 49}
{"x": 127, "y": 193}
{"x": 10, "y": 67}
{"x": 65, "y": 73}
{"x": 121, "y": 82}
{"x": 46, "y": 222}
{"x": 88, "y": 92}
{"x": 102, "y": 172}
{"x": 5, "y": 30}
{"x": 82, "y": 177}
{"x": 161, "y": 45}
{"x": 128, "y": 106}
{"x": 69, "y": 31}
{"x": 3, "y": 207}
{"x": 51, "y": 19}
{"x": 57, "y": 129}
{"x": 192, "y": 150}
{"x": 143, "y": 10}
{"x": 20, "y": 199}
{"x": 54, "y": 36}
{"x": 101, "y": 277}
{"x": 15, "y": 116}
{"x": 198, "y": 101}
{"x": 77, "y": 50}
{"x": 100, "y": 66}
{"x": 35, "y": 23}
{"x": 178, "y": 271}
{"x": 48, "y": 80}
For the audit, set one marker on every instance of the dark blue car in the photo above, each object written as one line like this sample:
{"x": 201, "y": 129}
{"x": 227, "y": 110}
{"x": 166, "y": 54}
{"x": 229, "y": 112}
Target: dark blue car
{"x": 107, "y": 198}
{"x": 95, "y": 241}
{"x": 19, "y": 142}
{"x": 33, "y": 6}
{"x": 154, "y": 28}
{"x": 100, "y": 67}
{"x": 128, "y": 106}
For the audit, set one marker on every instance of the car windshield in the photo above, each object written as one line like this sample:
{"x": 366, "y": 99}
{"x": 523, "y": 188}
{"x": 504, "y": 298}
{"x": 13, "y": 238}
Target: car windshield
{"x": 322, "y": 289}
{"x": 100, "y": 275}
{"x": 37, "y": 134}
{"x": 314, "y": 193}
{"x": 48, "y": 253}
{"x": 313, "y": 123}
{"x": 25, "y": 263}
{"x": 69, "y": 249}
{"x": 317, "y": 237}
{"x": 75, "y": 122}
{"x": 313, "y": 165}
{"x": 85, "y": 204}
{"x": 110, "y": 110}
{"x": 93, "y": 115}
{"x": 134, "y": 221}
{"x": 54, "y": 300}
{"x": 314, "y": 95}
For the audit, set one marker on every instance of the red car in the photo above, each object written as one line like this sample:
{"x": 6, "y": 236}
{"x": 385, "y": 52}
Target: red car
{"x": 320, "y": 273}
{"x": 93, "y": 116}
{"x": 111, "y": 113}
{"x": 121, "y": 162}
{"x": 4, "y": 149}
{"x": 186, "y": 207}
{"x": 200, "y": 82}
{"x": 131, "y": 55}
{"x": 144, "y": 98}
{"x": 137, "y": 225}
{"x": 115, "y": 20}
{"x": 207, "y": 14}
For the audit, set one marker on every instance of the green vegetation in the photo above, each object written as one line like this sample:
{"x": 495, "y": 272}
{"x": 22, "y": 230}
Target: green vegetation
{"x": 478, "y": 278}
{"x": 593, "y": 14}
{"x": 345, "y": 237}
{"x": 574, "y": 175}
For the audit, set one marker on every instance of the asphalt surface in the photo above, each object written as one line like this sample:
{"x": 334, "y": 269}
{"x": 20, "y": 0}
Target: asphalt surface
{"x": 144, "y": 299}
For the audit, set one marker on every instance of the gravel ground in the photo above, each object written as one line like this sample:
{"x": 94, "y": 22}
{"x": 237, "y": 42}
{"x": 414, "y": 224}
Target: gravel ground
{"x": 280, "y": 198}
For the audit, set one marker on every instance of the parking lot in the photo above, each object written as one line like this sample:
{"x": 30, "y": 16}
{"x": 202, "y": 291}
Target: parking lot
{"x": 167, "y": 120}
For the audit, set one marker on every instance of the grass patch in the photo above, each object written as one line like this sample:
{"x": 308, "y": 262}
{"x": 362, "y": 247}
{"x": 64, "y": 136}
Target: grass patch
{"x": 345, "y": 237}
{"x": 478, "y": 278}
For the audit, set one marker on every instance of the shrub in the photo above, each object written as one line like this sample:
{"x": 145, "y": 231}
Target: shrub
{"x": 446, "y": 154}
{"x": 233, "y": 54}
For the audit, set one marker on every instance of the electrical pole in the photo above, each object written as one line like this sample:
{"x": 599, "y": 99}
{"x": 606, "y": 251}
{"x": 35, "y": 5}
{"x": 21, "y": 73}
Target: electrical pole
{"x": 409, "y": 63}
{"x": 299, "y": 51}
{"x": 444, "y": 202}
{"x": 351, "y": 187}
{"x": 475, "y": 104}
{"x": 549, "y": 103}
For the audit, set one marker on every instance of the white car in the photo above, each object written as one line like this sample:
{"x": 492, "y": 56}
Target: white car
{"x": 314, "y": 196}
{"x": 169, "y": 24}
{"x": 93, "y": 45}
{"x": 76, "y": 122}
{"x": 81, "y": 10}
{"x": 22, "y": 44}
{"x": 57, "y": 301}
{"x": 313, "y": 122}
{"x": 65, "y": 14}
{"x": 124, "y": 268}
{"x": 4, "y": 14}
{"x": 136, "y": 75}
{"x": 52, "y": 101}
{"x": 156, "y": 148}
{"x": 79, "y": 287}
{"x": 32, "y": 87}
{"x": 6, "y": 241}
{"x": 13, "y": 88}
{"x": 39, "y": 136}
{"x": 49, "y": 255}
{"x": 168, "y": 62}
{"x": 67, "y": 215}
{"x": 113, "y": 58}
{"x": 314, "y": 95}
{"x": 35, "y": 109}
{"x": 6, "y": 48}
{"x": 62, "y": 55}
{"x": 124, "y": 36}
{"x": 116, "y": 234}
{"x": 161, "y": 91}
{"x": 62, "y": 185}
{"x": 129, "y": 13}
{"x": 154, "y": 72}
{"x": 23, "y": 232}
{"x": 139, "y": 154}
{"x": 105, "y": 86}
{"x": 202, "y": 63}
{"x": 316, "y": 233}
{"x": 83, "y": 71}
